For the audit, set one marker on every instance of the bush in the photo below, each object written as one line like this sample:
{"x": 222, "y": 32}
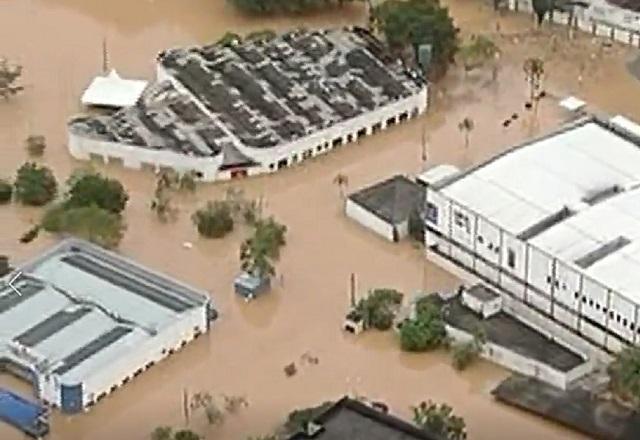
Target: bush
{"x": 425, "y": 332}
{"x": 624, "y": 375}
{"x": 300, "y": 418}
{"x": 35, "y": 185}
{"x": 89, "y": 222}
{"x": 464, "y": 354}
{"x": 214, "y": 220}
{"x": 94, "y": 189}
{"x": 439, "y": 420}
{"x": 6, "y": 191}
{"x": 378, "y": 309}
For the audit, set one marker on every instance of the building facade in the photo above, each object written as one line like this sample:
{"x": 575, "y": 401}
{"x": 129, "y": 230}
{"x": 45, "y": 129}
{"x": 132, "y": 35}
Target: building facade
{"x": 254, "y": 107}
{"x": 554, "y": 224}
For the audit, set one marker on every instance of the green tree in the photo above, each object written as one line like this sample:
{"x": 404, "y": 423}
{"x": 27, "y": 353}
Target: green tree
{"x": 534, "y": 74}
{"x": 379, "y": 308}
{"x": 426, "y": 331}
{"x": 229, "y": 38}
{"x": 214, "y": 220}
{"x": 624, "y": 375}
{"x": 89, "y": 222}
{"x": 162, "y": 433}
{"x": 262, "y": 35}
{"x": 6, "y": 191}
{"x": 477, "y": 51}
{"x": 259, "y": 252}
{"x": 542, "y": 8}
{"x": 186, "y": 434}
{"x": 440, "y": 420}
{"x": 95, "y": 189}
{"x": 9, "y": 74}
{"x": 35, "y": 185}
{"x": 187, "y": 181}
{"x": 411, "y": 23}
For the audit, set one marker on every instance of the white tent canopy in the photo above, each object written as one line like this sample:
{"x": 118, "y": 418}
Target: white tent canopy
{"x": 113, "y": 91}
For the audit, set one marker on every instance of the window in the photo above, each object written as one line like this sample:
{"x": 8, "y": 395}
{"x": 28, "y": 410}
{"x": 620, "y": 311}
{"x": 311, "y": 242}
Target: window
{"x": 625, "y": 322}
{"x": 590, "y": 302}
{"x": 611, "y": 314}
{"x": 511, "y": 258}
{"x": 432, "y": 213}
{"x": 548, "y": 279}
{"x": 480, "y": 239}
{"x": 576, "y": 295}
{"x": 462, "y": 221}
{"x": 597, "y": 306}
{"x": 497, "y": 249}
{"x": 584, "y": 300}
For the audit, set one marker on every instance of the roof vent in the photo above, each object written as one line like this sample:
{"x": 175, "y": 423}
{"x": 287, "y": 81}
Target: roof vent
{"x": 313, "y": 429}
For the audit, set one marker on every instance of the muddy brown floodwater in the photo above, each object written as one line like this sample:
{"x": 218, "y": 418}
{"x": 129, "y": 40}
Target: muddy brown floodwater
{"x": 59, "y": 43}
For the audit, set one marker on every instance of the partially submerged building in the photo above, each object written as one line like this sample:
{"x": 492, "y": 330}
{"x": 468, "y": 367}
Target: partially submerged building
{"x": 349, "y": 419}
{"x": 78, "y": 322}
{"x": 245, "y": 108}
{"x": 554, "y": 224}
{"x": 385, "y": 207}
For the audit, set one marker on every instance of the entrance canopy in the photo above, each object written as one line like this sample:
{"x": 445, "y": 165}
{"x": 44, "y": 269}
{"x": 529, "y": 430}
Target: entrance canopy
{"x": 113, "y": 91}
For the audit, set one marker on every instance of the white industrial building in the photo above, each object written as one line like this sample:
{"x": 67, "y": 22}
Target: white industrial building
{"x": 112, "y": 91}
{"x": 603, "y": 18}
{"x": 78, "y": 322}
{"x": 226, "y": 111}
{"x": 555, "y": 225}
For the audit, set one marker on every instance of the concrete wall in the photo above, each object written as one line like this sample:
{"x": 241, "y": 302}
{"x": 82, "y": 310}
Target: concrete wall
{"x": 558, "y": 289}
{"x": 600, "y": 18}
{"x": 522, "y": 364}
{"x": 369, "y": 220}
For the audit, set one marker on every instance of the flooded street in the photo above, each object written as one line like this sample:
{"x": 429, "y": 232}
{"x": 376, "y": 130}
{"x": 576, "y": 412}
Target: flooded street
{"x": 59, "y": 42}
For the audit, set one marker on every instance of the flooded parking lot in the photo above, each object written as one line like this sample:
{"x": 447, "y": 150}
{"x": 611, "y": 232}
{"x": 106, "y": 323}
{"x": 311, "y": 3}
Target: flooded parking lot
{"x": 59, "y": 42}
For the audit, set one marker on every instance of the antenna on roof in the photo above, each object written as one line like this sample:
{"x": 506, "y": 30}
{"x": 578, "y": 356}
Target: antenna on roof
{"x": 105, "y": 58}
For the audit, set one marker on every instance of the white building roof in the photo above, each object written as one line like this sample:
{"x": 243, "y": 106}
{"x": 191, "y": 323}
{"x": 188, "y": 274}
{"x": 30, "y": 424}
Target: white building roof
{"x": 572, "y": 104}
{"x": 437, "y": 174}
{"x": 82, "y": 308}
{"x": 589, "y": 169}
{"x": 113, "y": 91}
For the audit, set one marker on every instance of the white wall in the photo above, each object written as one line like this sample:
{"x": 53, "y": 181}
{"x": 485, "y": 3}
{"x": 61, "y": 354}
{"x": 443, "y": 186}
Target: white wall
{"x": 522, "y": 364}
{"x": 369, "y": 220}
{"x": 574, "y": 294}
{"x": 600, "y": 18}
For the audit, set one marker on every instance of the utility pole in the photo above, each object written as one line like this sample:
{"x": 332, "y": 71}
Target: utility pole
{"x": 105, "y": 57}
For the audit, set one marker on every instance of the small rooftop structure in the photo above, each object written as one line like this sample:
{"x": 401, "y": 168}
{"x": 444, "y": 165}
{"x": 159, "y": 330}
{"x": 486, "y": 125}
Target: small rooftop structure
{"x": 482, "y": 300}
{"x": 437, "y": 175}
{"x": 113, "y": 91}
{"x": 572, "y": 104}
{"x": 349, "y": 419}
{"x": 249, "y": 286}
{"x": 385, "y": 206}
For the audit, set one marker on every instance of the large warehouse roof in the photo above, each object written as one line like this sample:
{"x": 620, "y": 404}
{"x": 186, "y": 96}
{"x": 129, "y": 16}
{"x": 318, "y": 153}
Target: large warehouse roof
{"x": 78, "y": 309}
{"x": 574, "y": 193}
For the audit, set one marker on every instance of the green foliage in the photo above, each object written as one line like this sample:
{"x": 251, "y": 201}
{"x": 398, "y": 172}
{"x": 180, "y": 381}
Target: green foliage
{"x": 542, "y": 8}
{"x": 229, "y": 38}
{"x": 624, "y": 375}
{"x": 35, "y": 185}
{"x": 186, "y": 434}
{"x": 94, "y": 189}
{"x": 162, "y": 433}
{"x": 464, "y": 354}
{"x": 9, "y": 75}
{"x": 477, "y": 51}
{"x": 265, "y": 7}
{"x": 214, "y": 220}
{"x": 439, "y": 420}
{"x": 89, "y": 222}
{"x": 262, "y": 35}
{"x": 416, "y": 22}
{"x": 36, "y": 145}
{"x": 379, "y": 308}
{"x": 300, "y": 418}
{"x": 187, "y": 182}
{"x": 425, "y": 332}
{"x": 6, "y": 191}
{"x": 259, "y": 252}
{"x": 534, "y": 74}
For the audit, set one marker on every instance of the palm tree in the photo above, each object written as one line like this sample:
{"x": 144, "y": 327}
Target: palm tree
{"x": 466, "y": 126}
{"x": 259, "y": 252}
{"x": 534, "y": 74}
{"x": 342, "y": 180}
